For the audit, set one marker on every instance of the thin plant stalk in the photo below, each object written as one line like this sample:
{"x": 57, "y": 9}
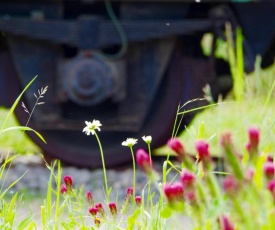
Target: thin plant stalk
{"x": 41, "y": 94}
{"x": 103, "y": 166}
{"x": 149, "y": 183}
{"x": 57, "y": 202}
{"x": 134, "y": 172}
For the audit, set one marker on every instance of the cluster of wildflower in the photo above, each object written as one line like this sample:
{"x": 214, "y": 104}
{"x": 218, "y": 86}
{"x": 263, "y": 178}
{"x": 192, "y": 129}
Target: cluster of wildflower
{"x": 239, "y": 177}
{"x": 187, "y": 189}
{"x": 129, "y": 201}
{"x": 96, "y": 210}
{"x": 199, "y": 191}
{"x": 99, "y": 214}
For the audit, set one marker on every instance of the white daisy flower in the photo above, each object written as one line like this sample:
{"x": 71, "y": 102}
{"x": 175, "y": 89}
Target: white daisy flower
{"x": 129, "y": 142}
{"x": 147, "y": 139}
{"x": 91, "y": 127}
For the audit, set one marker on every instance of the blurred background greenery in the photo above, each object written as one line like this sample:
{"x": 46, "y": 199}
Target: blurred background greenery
{"x": 15, "y": 141}
{"x": 256, "y": 109}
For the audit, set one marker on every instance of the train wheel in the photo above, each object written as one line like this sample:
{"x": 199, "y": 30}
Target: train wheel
{"x": 75, "y": 148}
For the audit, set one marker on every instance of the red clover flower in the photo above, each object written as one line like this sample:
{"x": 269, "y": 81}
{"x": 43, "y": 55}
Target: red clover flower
{"x": 113, "y": 208}
{"x": 173, "y": 192}
{"x": 89, "y": 198}
{"x": 191, "y": 196}
{"x": 128, "y": 198}
{"x": 129, "y": 192}
{"x": 269, "y": 169}
{"x": 230, "y": 184}
{"x": 225, "y": 223}
{"x": 68, "y": 181}
{"x": 187, "y": 178}
{"x": 176, "y": 146}
{"x": 249, "y": 174}
{"x": 63, "y": 189}
{"x": 269, "y": 158}
{"x": 93, "y": 211}
{"x": 253, "y": 140}
{"x": 202, "y": 149}
{"x": 271, "y": 185}
{"x": 100, "y": 209}
{"x": 138, "y": 200}
{"x": 226, "y": 140}
{"x": 144, "y": 161}
{"x": 254, "y": 136}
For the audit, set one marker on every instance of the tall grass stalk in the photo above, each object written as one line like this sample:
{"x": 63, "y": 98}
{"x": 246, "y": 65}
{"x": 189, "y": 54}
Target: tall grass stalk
{"x": 236, "y": 61}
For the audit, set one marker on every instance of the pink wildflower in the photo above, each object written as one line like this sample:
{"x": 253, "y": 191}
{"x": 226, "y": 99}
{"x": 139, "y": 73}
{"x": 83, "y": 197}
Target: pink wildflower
{"x": 138, "y": 200}
{"x": 144, "y": 161}
{"x": 187, "y": 178}
{"x": 89, "y": 198}
{"x": 271, "y": 185}
{"x": 249, "y": 174}
{"x": 113, "y": 208}
{"x": 230, "y": 184}
{"x": 269, "y": 169}
{"x": 128, "y": 198}
{"x": 254, "y": 136}
{"x": 176, "y": 146}
{"x": 225, "y": 223}
{"x": 174, "y": 192}
{"x": 202, "y": 149}
{"x": 269, "y": 158}
{"x": 253, "y": 140}
{"x": 93, "y": 211}
{"x": 191, "y": 196}
{"x": 100, "y": 209}
{"x": 226, "y": 140}
{"x": 63, "y": 189}
{"x": 130, "y": 192}
{"x": 68, "y": 181}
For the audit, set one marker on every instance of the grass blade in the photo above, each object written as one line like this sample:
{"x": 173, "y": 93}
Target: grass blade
{"x": 15, "y": 103}
{"x": 24, "y": 128}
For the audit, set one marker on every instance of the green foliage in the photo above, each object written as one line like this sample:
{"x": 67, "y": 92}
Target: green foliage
{"x": 132, "y": 220}
{"x": 15, "y": 141}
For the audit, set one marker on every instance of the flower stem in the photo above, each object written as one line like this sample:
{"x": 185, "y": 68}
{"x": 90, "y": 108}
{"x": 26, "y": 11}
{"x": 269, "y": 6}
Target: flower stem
{"x": 103, "y": 166}
{"x": 212, "y": 185}
{"x": 134, "y": 172}
{"x": 149, "y": 184}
